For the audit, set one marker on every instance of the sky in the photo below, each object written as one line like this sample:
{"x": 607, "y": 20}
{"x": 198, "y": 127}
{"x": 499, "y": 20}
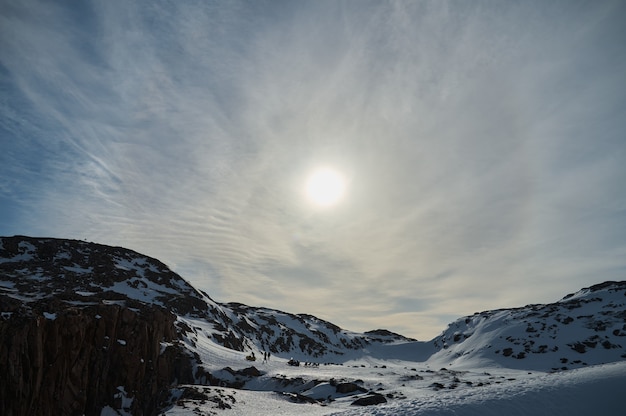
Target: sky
{"x": 482, "y": 146}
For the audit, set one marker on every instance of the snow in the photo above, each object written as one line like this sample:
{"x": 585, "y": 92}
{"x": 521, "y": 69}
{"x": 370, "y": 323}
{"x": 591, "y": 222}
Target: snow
{"x": 78, "y": 269}
{"x": 251, "y": 403}
{"x": 139, "y": 264}
{"x": 113, "y": 302}
{"x": 592, "y": 390}
{"x": 62, "y": 255}
{"x": 471, "y": 388}
{"x": 564, "y": 358}
{"x": 466, "y": 377}
{"x": 23, "y": 257}
{"x": 126, "y": 403}
{"x": 577, "y": 331}
{"x": 164, "y": 346}
{"x": 84, "y": 293}
{"x": 595, "y": 390}
{"x": 27, "y": 251}
{"x": 109, "y": 411}
{"x": 142, "y": 289}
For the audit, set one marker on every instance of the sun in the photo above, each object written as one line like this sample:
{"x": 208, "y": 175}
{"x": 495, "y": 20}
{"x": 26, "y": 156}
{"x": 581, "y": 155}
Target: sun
{"x": 325, "y": 187}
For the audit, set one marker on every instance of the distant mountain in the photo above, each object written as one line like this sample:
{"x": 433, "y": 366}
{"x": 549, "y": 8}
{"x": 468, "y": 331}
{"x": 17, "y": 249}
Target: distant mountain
{"x": 584, "y": 328}
{"x": 85, "y": 326}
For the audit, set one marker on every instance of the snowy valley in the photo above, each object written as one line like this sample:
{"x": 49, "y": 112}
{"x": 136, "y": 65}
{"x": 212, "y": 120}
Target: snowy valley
{"x": 93, "y": 329}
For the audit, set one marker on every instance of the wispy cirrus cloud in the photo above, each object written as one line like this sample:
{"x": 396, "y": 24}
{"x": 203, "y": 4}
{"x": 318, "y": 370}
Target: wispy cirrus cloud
{"x": 483, "y": 144}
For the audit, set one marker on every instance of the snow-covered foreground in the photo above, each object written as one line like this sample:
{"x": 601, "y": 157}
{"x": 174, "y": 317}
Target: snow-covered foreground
{"x": 563, "y": 358}
{"x": 410, "y": 388}
{"x": 596, "y": 390}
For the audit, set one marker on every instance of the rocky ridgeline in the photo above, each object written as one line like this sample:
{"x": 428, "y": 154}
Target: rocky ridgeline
{"x": 37, "y": 270}
{"x": 73, "y": 342}
{"x": 584, "y": 328}
{"x": 86, "y": 326}
{"x": 289, "y": 335}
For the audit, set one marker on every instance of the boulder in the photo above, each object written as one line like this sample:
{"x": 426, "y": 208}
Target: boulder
{"x": 345, "y": 388}
{"x": 369, "y": 400}
{"x": 250, "y": 372}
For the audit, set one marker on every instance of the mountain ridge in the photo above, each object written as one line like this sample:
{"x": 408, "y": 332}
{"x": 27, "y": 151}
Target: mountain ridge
{"x": 117, "y": 274}
{"x": 74, "y": 312}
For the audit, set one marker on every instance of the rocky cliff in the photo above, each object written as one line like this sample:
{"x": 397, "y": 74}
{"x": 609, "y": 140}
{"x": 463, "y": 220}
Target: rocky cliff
{"x": 85, "y": 326}
{"x": 78, "y": 360}
{"x": 71, "y": 344}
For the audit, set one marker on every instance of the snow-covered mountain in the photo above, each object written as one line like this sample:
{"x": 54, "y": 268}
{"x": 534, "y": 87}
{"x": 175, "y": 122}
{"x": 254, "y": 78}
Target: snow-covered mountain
{"x": 94, "y": 329}
{"x": 584, "y": 328}
{"x": 39, "y": 273}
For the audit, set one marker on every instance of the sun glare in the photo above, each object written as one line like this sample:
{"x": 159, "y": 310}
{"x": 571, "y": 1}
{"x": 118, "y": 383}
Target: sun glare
{"x": 325, "y": 187}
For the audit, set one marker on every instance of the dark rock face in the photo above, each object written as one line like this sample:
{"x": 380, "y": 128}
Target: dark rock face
{"x": 345, "y": 388}
{"x": 72, "y": 271}
{"x": 84, "y": 326}
{"x": 384, "y": 335}
{"x": 87, "y": 358}
{"x": 370, "y": 400}
{"x": 77, "y": 271}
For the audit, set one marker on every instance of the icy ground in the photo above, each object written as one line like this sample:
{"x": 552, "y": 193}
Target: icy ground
{"x": 563, "y": 358}
{"x": 595, "y": 390}
{"x": 410, "y": 388}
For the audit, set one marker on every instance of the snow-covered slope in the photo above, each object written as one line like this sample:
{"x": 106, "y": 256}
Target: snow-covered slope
{"x": 498, "y": 359}
{"x": 37, "y": 270}
{"x": 595, "y": 390}
{"x": 38, "y": 273}
{"x": 584, "y": 328}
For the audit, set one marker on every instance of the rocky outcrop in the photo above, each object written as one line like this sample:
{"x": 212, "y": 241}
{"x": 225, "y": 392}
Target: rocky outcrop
{"x": 370, "y": 400}
{"x": 85, "y": 326}
{"x": 73, "y": 272}
{"x": 78, "y": 360}
{"x": 584, "y": 328}
{"x": 302, "y": 336}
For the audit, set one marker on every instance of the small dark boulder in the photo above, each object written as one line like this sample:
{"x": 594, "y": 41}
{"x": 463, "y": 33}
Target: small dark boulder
{"x": 344, "y": 388}
{"x": 370, "y": 400}
{"x": 507, "y": 352}
{"x": 299, "y": 398}
{"x": 250, "y": 372}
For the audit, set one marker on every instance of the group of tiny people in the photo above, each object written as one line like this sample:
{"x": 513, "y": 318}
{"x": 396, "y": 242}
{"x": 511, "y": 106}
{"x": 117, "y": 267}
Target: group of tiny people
{"x": 252, "y": 357}
{"x": 266, "y": 358}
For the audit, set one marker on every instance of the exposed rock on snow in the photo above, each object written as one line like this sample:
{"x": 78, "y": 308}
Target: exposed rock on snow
{"x": 585, "y": 328}
{"x": 370, "y": 400}
{"x": 93, "y": 329}
{"x": 80, "y": 319}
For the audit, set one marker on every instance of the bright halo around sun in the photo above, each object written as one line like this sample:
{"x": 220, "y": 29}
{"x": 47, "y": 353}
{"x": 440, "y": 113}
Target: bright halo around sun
{"x": 325, "y": 187}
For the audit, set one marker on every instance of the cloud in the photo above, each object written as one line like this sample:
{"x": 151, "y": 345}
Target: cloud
{"x": 482, "y": 144}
